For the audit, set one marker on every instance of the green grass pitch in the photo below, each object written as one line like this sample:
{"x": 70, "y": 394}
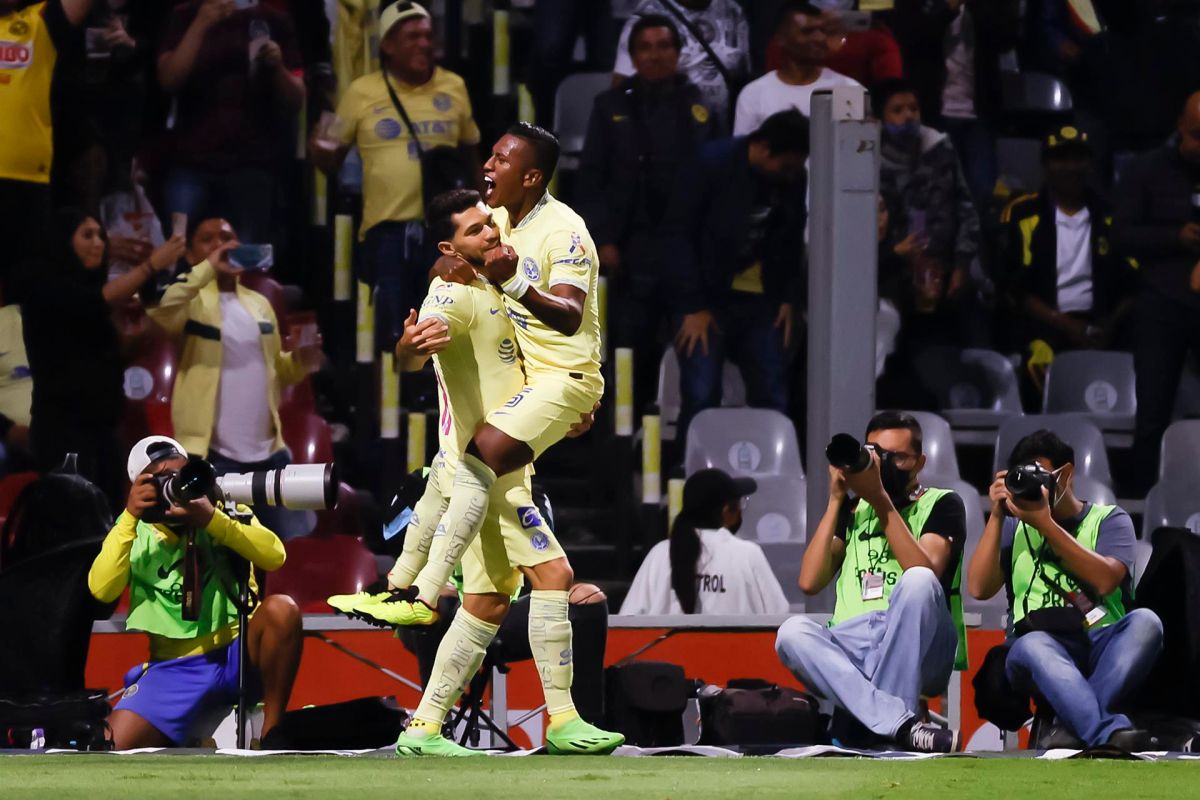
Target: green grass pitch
{"x": 98, "y": 777}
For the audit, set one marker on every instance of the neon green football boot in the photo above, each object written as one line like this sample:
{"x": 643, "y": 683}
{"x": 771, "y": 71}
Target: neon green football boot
{"x": 578, "y": 737}
{"x": 434, "y": 745}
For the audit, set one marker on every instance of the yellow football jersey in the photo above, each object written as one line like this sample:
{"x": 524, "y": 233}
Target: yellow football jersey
{"x": 27, "y": 59}
{"x": 440, "y": 110}
{"x": 555, "y": 247}
{"x": 480, "y": 370}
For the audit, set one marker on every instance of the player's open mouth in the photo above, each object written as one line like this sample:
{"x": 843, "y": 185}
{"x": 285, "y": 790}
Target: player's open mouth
{"x": 489, "y": 186}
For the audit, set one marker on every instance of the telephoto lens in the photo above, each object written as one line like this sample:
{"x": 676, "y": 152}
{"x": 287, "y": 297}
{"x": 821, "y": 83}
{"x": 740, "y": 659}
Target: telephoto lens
{"x": 1026, "y": 481}
{"x": 845, "y": 453}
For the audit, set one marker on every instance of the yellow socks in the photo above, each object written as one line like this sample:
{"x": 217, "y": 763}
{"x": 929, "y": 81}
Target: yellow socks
{"x": 419, "y": 534}
{"x": 550, "y": 641}
{"x": 458, "y": 659}
{"x": 459, "y": 526}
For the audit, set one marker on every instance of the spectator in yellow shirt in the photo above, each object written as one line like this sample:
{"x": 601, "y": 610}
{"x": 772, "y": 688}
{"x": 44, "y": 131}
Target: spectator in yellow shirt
{"x": 396, "y": 253}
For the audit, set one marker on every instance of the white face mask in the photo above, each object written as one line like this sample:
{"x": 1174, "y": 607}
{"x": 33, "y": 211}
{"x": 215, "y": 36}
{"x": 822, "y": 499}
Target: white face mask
{"x": 1058, "y": 495}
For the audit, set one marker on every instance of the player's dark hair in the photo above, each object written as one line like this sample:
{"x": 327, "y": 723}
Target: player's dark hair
{"x": 792, "y": 8}
{"x": 1042, "y": 444}
{"x": 784, "y": 132}
{"x": 895, "y": 421}
{"x": 885, "y": 90}
{"x": 684, "y": 548}
{"x": 544, "y": 144}
{"x": 443, "y": 208}
{"x": 648, "y": 21}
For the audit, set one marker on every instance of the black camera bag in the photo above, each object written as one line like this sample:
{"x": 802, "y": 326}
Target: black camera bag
{"x": 754, "y": 712}
{"x": 645, "y": 701}
{"x": 72, "y": 720}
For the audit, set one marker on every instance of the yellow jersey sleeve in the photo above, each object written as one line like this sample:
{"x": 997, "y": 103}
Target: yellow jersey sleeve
{"x": 453, "y": 304}
{"x": 570, "y": 258}
{"x": 349, "y": 111}
{"x": 468, "y": 129}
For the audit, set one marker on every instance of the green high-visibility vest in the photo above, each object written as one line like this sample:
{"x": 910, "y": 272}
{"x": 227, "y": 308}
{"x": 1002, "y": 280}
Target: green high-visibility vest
{"x": 156, "y": 586}
{"x": 1033, "y": 578}
{"x": 867, "y": 550}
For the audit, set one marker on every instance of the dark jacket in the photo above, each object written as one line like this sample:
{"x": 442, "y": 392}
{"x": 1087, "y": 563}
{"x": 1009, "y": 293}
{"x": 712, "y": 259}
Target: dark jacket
{"x": 1153, "y": 201}
{"x": 1030, "y": 254}
{"x": 709, "y": 230}
{"x": 920, "y": 27}
{"x": 638, "y": 135}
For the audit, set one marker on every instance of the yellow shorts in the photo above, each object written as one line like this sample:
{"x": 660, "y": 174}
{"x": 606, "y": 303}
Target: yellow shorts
{"x": 513, "y": 535}
{"x": 541, "y": 413}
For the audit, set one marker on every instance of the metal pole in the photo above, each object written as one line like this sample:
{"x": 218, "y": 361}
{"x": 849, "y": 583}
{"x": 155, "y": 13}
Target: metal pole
{"x": 844, "y": 180}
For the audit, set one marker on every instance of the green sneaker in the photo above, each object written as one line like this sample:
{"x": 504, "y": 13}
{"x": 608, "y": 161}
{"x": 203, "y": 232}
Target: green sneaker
{"x": 347, "y": 603}
{"x": 578, "y": 737}
{"x": 398, "y": 612}
{"x": 433, "y": 745}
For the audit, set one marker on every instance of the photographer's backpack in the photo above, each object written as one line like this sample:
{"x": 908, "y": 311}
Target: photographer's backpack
{"x": 754, "y": 713}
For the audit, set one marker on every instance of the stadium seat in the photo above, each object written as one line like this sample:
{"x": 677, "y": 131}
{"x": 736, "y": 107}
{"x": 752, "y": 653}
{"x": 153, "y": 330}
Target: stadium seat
{"x": 1171, "y": 503}
{"x": 1020, "y": 164}
{"x": 1034, "y": 93}
{"x": 1091, "y": 489}
{"x": 149, "y": 382}
{"x": 937, "y": 443}
{"x": 778, "y": 510}
{"x": 261, "y": 281}
{"x": 1093, "y": 382}
{"x": 1142, "y": 550}
{"x": 11, "y": 487}
{"x": 1187, "y": 399}
{"x": 744, "y": 441}
{"x": 994, "y": 608}
{"x": 784, "y": 558}
{"x": 573, "y": 108}
{"x": 1180, "y": 446}
{"x": 298, "y": 397}
{"x": 344, "y": 519}
{"x": 733, "y": 391}
{"x": 1091, "y": 459}
{"x": 308, "y": 436}
{"x": 320, "y": 566}
{"x": 976, "y": 389}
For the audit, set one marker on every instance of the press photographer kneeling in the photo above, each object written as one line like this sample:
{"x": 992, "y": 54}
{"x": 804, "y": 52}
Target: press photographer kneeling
{"x": 1066, "y": 564}
{"x": 184, "y": 565}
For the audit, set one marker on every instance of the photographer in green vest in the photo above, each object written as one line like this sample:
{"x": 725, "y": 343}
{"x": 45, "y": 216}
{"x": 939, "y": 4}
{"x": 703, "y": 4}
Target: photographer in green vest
{"x": 183, "y": 566}
{"x": 895, "y": 552}
{"x": 1066, "y": 565}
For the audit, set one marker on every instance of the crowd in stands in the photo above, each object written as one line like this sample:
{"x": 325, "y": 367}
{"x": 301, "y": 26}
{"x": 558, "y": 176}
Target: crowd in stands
{"x": 144, "y": 140}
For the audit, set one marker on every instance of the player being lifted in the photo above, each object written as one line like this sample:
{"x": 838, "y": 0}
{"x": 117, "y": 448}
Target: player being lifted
{"x": 477, "y": 370}
{"x": 551, "y": 298}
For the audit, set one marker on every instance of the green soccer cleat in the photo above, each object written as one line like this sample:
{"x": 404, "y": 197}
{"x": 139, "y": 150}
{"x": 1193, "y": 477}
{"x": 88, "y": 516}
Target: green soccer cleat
{"x": 433, "y": 745}
{"x": 398, "y": 612}
{"x": 578, "y": 737}
{"x": 348, "y": 603}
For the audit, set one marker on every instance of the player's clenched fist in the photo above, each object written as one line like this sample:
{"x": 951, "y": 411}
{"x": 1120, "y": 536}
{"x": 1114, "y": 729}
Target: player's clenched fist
{"x": 500, "y": 264}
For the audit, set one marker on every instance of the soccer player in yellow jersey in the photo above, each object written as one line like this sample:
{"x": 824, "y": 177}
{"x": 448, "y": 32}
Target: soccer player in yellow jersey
{"x": 477, "y": 370}
{"x": 549, "y": 282}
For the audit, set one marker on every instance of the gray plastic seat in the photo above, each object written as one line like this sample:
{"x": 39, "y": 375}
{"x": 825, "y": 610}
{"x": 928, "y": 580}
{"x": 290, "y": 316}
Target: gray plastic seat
{"x": 993, "y": 609}
{"x": 743, "y": 441}
{"x": 1171, "y": 503}
{"x": 1142, "y": 550}
{"x": 573, "y": 107}
{"x": 976, "y": 389}
{"x": 1097, "y": 383}
{"x": 1034, "y": 92}
{"x": 784, "y": 558}
{"x": 669, "y": 401}
{"x": 1091, "y": 458}
{"x": 1091, "y": 489}
{"x": 1180, "y": 457}
{"x": 1187, "y": 399}
{"x": 937, "y": 443}
{"x": 778, "y": 510}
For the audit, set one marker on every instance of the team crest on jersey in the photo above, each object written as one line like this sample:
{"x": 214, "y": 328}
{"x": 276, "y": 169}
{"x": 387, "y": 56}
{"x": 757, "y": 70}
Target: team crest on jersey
{"x": 577, "y": 245}
{"x": 539, "y": 541}
{"x": 15, "y": 55}
{"x": 507, "y": 351}
{"x": 530, "y": 268}
{"x": 19, "y": 27}
{"x": 387, "y": 128}
{"x": 529, "y": 516}
{"x": 442, "y": 102}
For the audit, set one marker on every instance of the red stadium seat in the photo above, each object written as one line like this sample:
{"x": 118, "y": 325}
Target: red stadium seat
{"x": 149, "y": 381}
{"x": 320, "y": 566}
{"x": 344, "y": 519}
{"x": 307, "y": 435}
{"x": 268, "y": 287}
{"x": 298, "y": 397}
{"x": 10, "y": 487}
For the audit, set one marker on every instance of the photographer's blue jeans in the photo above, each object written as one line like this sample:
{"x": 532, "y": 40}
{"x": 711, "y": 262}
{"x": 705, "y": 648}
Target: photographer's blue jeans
{"x": 747, "y": 336}
{"x": 283, "y": 522}
{"x": 397, "y": 255}
{"x": 876, "y": 665}
{"x": 1084, "y": 679}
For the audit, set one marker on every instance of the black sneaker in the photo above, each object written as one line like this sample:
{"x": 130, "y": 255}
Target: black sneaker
{"x": 1134, "y": 740}
{"x": 922, "y": 737}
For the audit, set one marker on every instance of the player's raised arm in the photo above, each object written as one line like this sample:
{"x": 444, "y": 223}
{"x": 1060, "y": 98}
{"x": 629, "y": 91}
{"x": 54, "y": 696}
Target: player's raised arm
{"x": 561, "y": 308}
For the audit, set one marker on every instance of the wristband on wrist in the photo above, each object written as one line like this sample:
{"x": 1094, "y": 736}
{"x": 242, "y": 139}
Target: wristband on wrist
{"x": 516, "y": 286}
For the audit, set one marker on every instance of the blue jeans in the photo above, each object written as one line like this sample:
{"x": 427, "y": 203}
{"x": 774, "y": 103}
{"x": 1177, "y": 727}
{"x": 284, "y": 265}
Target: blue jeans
{"x": 1084, "y": 679}
{"x": 283, "y": 522}
{"x": 976, "y": 147}
{"x": 243, "y": 196}
{"x": 876, "y": 665}
{"x": 558, "y": 24}
{"x": 747, "y": 336}
{"x": 397, "y": 259}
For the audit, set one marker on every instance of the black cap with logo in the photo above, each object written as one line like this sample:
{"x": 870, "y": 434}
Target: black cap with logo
{"x": 713, "y": 488}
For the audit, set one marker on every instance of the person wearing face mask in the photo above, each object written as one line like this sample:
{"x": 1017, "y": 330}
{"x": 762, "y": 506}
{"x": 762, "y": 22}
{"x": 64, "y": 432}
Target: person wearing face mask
{"x": 894, "y": 553}
{"x": 75, "y": 351}
{"x": 1066, "y": 565}
{"x": 1068, "y": 285}
{"x": 704, "y": 568}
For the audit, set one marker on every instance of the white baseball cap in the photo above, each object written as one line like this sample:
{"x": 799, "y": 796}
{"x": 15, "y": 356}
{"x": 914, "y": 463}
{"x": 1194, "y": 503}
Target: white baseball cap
{"x": 399, "y": 12}
{"x": 151, "y": 450}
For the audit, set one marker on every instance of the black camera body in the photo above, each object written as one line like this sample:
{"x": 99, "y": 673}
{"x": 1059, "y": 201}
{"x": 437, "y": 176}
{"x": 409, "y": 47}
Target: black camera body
{"x": 174, "y": 488}
{"x": 847, "y": 454}
{"x": 1026, "y": 482}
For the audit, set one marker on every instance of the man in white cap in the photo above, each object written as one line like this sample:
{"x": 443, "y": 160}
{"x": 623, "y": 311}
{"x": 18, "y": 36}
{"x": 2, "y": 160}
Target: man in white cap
{"x": 396, "y": 253}
{"x": 181, "y": 566}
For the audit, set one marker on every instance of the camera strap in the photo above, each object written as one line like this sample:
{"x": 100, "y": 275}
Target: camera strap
{"x": 192, "y": 591}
